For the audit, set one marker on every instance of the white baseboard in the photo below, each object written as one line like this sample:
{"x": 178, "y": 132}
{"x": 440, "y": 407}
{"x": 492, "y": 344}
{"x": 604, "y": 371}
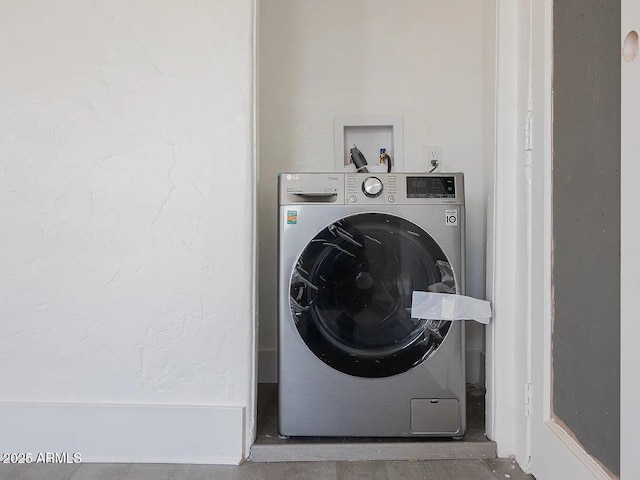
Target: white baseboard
{"x": 268, "y": 366}
{"x": 125, "y": 433}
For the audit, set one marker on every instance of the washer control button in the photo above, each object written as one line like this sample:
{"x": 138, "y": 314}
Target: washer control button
{"x": 353, "y": 199}
{"x": 372, "y": 187}
{"x": 392, "y": 198}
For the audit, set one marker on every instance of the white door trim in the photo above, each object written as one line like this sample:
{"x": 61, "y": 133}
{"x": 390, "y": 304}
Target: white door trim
{"x": 251, "y": 419}
{"x": 507, "y": 281}
{"x": 630, "y": 254}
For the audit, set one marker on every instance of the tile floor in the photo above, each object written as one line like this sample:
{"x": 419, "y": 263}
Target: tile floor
{"x": 498, "y": 469}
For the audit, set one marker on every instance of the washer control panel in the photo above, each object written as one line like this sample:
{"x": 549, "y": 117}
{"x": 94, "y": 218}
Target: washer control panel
{"x": 372, "y": 188}
{"x": 366, "y": 188}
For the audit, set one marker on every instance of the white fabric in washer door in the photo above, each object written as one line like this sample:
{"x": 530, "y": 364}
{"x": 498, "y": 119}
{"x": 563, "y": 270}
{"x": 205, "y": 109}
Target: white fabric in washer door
{"x": 446, "y": 306}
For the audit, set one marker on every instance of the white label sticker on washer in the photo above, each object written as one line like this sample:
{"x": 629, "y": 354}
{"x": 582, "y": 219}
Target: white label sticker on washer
{"x": 451, "y": 218}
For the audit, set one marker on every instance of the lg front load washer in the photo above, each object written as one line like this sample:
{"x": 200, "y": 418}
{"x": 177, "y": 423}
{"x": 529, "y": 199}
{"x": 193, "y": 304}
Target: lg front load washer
{"x": 352, "y": 250}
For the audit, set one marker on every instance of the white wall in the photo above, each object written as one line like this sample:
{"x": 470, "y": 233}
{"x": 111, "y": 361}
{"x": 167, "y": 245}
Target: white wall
{"x": 126, "y": 205}
{"x": 421, "y": 59}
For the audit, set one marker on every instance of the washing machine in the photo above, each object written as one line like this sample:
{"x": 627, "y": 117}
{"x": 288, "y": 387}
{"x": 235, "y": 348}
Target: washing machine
{"x": 352, "y": 250}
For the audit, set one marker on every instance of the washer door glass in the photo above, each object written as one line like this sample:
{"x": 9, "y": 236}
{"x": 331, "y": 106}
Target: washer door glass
{"x": 351, "y": 291}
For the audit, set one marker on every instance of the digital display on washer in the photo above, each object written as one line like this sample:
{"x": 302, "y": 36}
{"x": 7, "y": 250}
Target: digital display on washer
{"x": 431, "y": 187}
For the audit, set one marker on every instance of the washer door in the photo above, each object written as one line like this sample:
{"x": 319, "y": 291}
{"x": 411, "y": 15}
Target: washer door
{"x": 351, "y": 291}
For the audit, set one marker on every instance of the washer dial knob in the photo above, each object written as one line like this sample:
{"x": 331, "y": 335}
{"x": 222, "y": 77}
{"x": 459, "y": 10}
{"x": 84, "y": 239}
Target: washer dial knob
{"x": 372, "y": 187}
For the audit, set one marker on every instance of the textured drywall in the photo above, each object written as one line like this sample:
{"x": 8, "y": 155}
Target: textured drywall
{"x": 586, "y": 225}
{"x": 422, "y": 60}
{"x": 126, "y": 201}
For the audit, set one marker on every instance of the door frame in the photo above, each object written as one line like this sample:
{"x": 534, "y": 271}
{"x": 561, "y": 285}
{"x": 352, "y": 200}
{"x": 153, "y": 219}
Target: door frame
{"x": 629, "y": 255}
{"x": 508, "y": 265}
{"x": 524, "y": 31}
{"x": 519, "y": 283}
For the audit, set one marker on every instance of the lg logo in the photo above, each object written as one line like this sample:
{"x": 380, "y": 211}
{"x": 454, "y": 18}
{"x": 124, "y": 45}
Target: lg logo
{"x": 451, "y": 218}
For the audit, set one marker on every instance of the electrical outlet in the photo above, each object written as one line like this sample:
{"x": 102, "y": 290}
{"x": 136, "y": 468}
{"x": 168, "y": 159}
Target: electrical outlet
{"x": 434, "y": 157}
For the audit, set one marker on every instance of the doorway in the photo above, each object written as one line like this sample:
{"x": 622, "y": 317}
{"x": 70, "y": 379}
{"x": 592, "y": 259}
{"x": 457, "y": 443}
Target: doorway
{"x": 376, "y": 58}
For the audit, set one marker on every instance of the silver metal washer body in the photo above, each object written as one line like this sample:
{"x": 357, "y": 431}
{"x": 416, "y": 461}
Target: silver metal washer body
{"x": 351, "y": 360}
